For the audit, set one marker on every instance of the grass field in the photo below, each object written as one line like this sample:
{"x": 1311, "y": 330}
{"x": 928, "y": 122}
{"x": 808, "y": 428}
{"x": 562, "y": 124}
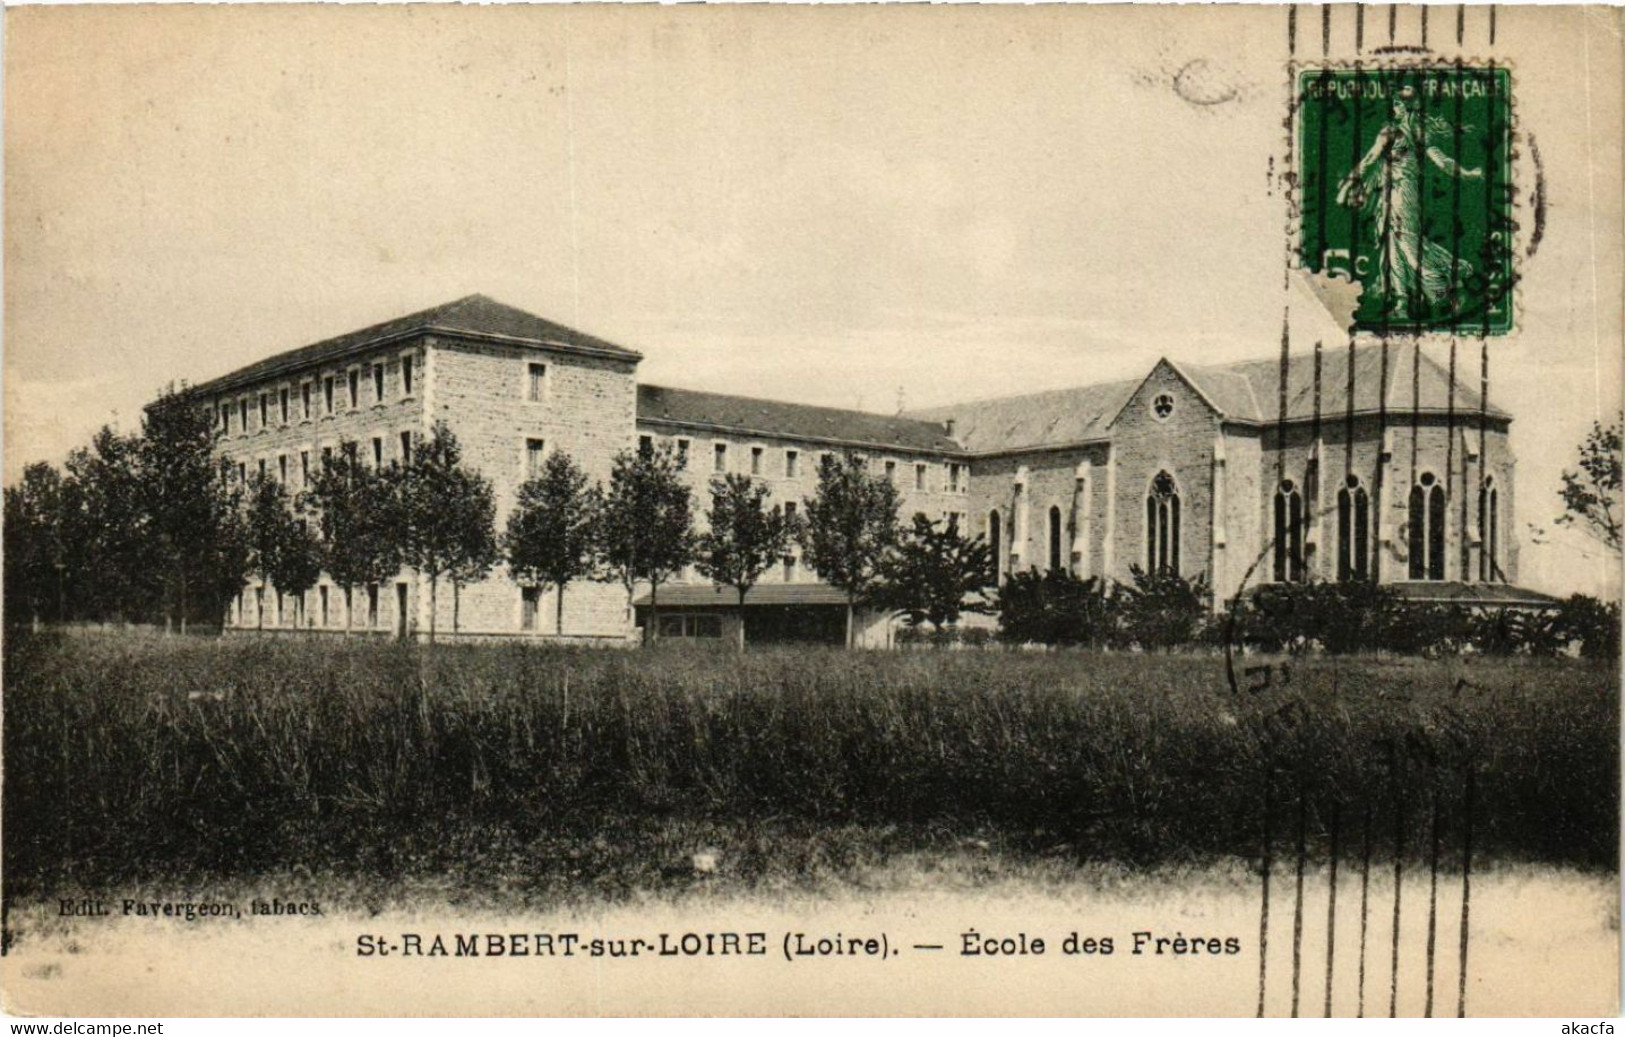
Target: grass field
{"x": 536, "y": 773}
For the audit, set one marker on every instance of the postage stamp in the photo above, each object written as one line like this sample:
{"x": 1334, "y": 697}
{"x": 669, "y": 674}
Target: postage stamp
{"x": 1407, "y": 188}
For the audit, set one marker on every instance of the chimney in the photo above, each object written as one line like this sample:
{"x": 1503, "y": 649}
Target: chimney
{"x": 948, "y": 427}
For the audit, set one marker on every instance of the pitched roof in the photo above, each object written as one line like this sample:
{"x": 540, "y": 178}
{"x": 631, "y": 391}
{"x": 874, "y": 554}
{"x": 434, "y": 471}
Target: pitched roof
{"x": 1053, "y": 418}
{"x": 1480, "y": 594}
{"x": 1246, "y": 393}
{"x": 477, "y": 316}
{"x": 710, "y": 596}
{"x": 749, "y": 416}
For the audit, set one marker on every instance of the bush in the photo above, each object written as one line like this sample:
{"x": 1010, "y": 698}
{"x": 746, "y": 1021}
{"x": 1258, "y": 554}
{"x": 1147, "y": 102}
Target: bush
{"x": 1162, "y": 610}
{"x": 1593, "y": 625}
{"x": 1056, "y": 608}
{"x": 1339, "y": 617}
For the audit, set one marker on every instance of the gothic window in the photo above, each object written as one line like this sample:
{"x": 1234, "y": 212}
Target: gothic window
{"x": 1162, "y": 525}
{"x": 1162, "y": 406}
{"x": 1054, "y": 538}
{"x": 1489, "y": 515}
{"x": 994, "y": 541}
{"x": 1353, "y": 531}
{"x": 1289, "y": 523}
{"x": 1426, "y": 540}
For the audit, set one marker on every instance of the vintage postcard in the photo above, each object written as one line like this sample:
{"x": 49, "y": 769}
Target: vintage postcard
{"x": 770, "y": 510}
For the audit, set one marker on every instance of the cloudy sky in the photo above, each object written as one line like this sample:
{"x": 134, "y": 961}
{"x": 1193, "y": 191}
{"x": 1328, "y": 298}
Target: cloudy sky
{"x": 850, "y": 207}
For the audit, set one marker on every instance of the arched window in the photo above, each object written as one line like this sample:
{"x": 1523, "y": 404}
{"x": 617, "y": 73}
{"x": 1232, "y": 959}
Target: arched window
{"x": 1288, "y": 533}
{"x": 1427, "y": 529}
{"x": 1489, "y": 515}
{"x": 1054, "y": 538}
{"x": 1353, "y": 531}
{"x": 1162, "y": 525}
{"x": 993, "y": 541}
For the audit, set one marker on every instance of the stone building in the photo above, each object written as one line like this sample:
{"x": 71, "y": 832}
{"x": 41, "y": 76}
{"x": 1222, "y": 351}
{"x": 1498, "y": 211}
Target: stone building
{"x": 1362, "y": 462}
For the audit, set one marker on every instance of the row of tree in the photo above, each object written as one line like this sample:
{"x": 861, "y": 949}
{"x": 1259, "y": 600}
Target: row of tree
{"x": 158, "y": 526}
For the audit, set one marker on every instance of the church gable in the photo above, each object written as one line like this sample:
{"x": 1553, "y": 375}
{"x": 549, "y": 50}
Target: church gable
{"x": 1167, "y": 398}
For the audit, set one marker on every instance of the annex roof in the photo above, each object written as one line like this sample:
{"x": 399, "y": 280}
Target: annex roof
{"x": 679, "y": 596}
{"x": 745, "y": 415}
{"x": 475, "y": 316}
{"x": 1245, "y": 393}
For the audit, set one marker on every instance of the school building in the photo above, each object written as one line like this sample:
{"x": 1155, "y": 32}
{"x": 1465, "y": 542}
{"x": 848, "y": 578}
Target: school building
{"x": 1353, "y": 464}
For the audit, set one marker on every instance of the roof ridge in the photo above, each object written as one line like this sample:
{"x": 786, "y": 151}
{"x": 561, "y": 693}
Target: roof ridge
{"x": 1005, "y": 397}
{"x": 787, "y": 403}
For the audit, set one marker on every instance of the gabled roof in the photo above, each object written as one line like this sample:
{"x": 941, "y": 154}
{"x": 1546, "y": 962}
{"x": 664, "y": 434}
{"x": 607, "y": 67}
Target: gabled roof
{"x": 1408, "y": 367}
{"x": 1054, "y": 418}
{"x": 1245, "y": 393}
{"x": 474, "y": 316}
{"x": 746, "y": 415}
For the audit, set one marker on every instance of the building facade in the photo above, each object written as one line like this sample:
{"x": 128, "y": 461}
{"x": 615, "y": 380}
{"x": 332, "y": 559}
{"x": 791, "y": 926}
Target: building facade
{"x": 1355, "y": 463}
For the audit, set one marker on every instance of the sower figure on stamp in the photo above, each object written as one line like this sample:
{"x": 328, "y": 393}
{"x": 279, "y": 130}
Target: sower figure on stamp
{"x": 1388, "y": 183}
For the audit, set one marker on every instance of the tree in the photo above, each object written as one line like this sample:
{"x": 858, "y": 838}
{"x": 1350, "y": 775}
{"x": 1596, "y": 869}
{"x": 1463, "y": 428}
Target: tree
{"x": 935, "y": 574}
{"x": 35, "y": 559}
{"x": 282, "y": 551}
{"x": 744, "y": 539}
{"x": 1591, "y": 496}
{"x": 646, "y": 530}
{"x": 1162, "y": 609}
{"x": 449, "y": 518}
{"x": 358, "y": 512}
{"x": 107, "y": 529}
{"x": 191, "y": 506}
{"x": 549, "y": 537}
{"x": 851, "y": 527}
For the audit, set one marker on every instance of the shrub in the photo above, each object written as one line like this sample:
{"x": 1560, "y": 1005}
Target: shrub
{"x": 1163, "y": 609}
{"x": 1594, "y": 625}
{"x": 1339, "y": 617}
{"x": 1056, "y": 608}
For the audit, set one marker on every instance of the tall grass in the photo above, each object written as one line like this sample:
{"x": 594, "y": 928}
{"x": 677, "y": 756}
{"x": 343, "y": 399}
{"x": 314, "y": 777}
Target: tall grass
{"x": 133, "y": 758}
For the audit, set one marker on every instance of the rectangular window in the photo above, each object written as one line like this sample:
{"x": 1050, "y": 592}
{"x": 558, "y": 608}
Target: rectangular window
{"x": 533, "y": 457}
{"x": 682, "y": 453}
{"x": 530, "y": 600}
{"x": 720, "y": 461}
{"x": 304, "y": 401}
{"x": 406, "y": 448}
{"x": 891, "y": 471}
{"x": 322, "y": 593}
{"x": 262, "y": 468}
{"x": 242, "y": 473}
{"x": 378, "y": 451}
{"x": 282, "y": 404}
{"x": 953, "y": 478}
{"x": 789, "y": 569}
{"x": 919, "y": 477}
{"x": 756, "y": 460}
{"x": 355, "y": 388}
{"x": 372, "y": 604}
{"x": 790, "y": 459}
{"x": 406, "y": 376}
{"x": 536, "y": 389}
{"x": 282, "y": 468}
{"x": 824, "y": 460}
{"x": 646, "y": 445}
{"x": 327, "y": 455}
{"x": 265, "y": 410}
{"x": 304, "y": 468}
{"x": 378, "y": 383}
{"x": 242, "y": 406}
{"x": 327, "y": 393}
{"x": 790, "y": 510}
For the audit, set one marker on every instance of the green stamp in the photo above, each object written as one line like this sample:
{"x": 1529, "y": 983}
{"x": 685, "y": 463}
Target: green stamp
{"x": 1405, "y": 186}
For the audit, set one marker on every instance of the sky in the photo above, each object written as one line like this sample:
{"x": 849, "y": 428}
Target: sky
{"x": 858, "y": 207}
